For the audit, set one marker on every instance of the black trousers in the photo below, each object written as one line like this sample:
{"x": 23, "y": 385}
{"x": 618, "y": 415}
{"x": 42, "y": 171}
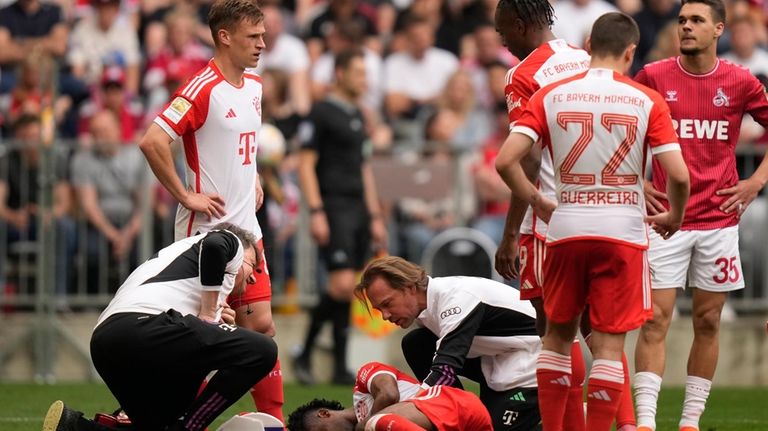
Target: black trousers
{"x": 154, "y": 366}
{"x": 515, "y": 409}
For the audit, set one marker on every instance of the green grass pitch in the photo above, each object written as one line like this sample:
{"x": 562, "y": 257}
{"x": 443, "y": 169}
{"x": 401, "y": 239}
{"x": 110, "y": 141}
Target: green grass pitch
{"x": 22, "y": 406}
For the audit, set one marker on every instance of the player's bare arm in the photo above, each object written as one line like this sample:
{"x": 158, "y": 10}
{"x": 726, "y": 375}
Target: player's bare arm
{"x": 506, "y": 252}
{"x": 378, "y": 228}
{"x": 208, "y": 305}
{"x": 259, "y": 192}
{"x": 156, "y": 148}
{"x": 743, "y": 193}
{"x": 310, "y": 187}
{"x": 384, "y": 391}
{"x": 509, "y": 167}
{"x": 678, "y": 189}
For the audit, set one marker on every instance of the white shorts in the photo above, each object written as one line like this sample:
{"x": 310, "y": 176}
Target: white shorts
{"x": 708, "y": 259}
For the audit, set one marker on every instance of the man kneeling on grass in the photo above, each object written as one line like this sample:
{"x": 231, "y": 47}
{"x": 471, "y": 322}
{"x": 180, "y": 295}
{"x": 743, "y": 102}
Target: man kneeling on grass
{"x": 385, "y": 398}
{"x": 167, "y": 327}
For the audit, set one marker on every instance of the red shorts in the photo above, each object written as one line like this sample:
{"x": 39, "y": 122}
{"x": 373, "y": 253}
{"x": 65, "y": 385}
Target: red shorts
{"x": 613, "y": 278}
{"x": 452, "y": 409}
{"x": 531, "y": 253}
{"x": 261, "y": 290}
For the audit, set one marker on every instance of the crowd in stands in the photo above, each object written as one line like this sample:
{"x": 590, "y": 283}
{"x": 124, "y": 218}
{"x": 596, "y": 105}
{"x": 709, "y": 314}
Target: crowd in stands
{"x": 95, "y": 73}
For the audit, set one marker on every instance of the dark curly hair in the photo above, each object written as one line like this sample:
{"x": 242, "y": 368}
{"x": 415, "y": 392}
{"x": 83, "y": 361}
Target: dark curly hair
{"x": 534, "y": 13}
{"x": 296, "y": 418}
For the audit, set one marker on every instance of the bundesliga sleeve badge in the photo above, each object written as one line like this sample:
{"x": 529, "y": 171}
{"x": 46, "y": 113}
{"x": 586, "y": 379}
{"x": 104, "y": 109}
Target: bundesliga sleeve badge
{"x": 176, "y": 110}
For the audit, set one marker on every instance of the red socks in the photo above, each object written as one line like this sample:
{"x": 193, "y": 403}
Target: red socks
{"x": 626, "y": 411}
{"x": 553, "y": 374}
{"x": 604, "y": 390}
{"x": 390, "y": 422}
{"x": 268, "y": 393}
{"x": 574, "y": 408}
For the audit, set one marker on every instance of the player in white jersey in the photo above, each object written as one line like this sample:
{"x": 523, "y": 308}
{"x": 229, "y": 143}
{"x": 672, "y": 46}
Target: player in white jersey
{"x": 598, "y": 127}
{"x": 169, "y": 326}
{"x": 471, "y": 326}
{"x": 217, "y": 115}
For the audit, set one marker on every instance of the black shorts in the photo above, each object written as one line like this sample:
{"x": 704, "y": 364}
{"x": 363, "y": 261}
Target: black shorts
{"x": 349, "y": 246}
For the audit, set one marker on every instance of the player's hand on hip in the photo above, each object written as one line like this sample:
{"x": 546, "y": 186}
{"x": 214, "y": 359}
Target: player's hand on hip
{"x": 664, "y": 224}
{"x": 506, "y": 255}
{"x": 209, "y": 204}
{"x": 318, "y": 225}
{"x": 652, "y": 197}
{"x": 742, "y": 194}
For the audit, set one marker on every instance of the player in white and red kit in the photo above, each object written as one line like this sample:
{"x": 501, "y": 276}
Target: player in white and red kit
{"x": 545, "y": 60}
{"x": 598, "y": 127}
{"x": 708, "y": 98}
{"x": 385, "y": 398}
{"x": 217, "y": 115}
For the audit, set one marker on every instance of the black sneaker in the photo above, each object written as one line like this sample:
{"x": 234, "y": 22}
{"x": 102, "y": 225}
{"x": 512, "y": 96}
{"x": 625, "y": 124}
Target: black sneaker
{"x": 61, "y": 418}
{"x": 344, "y": 378}
{"x": 303, "y": 371}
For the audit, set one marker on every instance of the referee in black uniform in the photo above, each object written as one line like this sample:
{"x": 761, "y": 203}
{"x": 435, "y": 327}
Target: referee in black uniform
{"x": 339, "y": 188}
{"x": 168, "y": 327}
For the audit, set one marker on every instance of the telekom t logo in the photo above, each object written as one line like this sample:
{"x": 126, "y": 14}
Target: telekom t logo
{"x": 247, "y": 146}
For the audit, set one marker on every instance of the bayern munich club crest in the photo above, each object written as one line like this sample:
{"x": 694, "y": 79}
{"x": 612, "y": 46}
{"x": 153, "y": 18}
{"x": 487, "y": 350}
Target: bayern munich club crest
{"x": 720, "y": 98}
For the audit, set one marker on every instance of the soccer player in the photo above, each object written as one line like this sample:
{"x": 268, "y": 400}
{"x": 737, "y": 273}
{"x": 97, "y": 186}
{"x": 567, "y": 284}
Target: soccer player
{"x": 471, "y": 326}
{"x": 217, "y": 115}
{"x": 707, "y": 97}
{"x": 338, "y": 185}
{"x": 597, "y": 127}
{"x": 385, "y": 398}
{"x": 167, "y": 327}
{"x": 545, "y": 60}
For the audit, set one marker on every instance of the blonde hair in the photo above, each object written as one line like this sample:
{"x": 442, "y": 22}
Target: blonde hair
{"x": 396, "y": 271}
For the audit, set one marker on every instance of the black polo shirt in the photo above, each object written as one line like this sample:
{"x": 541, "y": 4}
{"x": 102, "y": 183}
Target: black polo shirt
{"x": 335, "y": 129}
{"x": 38, "y": 24}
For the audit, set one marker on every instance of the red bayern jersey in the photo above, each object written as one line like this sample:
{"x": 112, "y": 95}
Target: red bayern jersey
{"x": 219, "y": 125}
{"x": 363, "y": 400}
{"x": 549, "y": 63}
{"x": 598, "y": 127}
{"x": 707, "y": 111}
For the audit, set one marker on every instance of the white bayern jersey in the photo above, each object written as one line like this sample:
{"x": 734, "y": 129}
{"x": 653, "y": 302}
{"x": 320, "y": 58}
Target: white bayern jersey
{"x": 598, "y": 127}
{"x": 551, "y": 62}
{"x": 172, "y": 279}
{"x": 219, "y": 124}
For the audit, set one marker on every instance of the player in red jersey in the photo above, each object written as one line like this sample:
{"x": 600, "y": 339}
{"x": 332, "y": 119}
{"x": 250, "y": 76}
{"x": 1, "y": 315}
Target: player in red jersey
{"x": 598, "y": 127}
{"x": 217, "y": 115}
{"x": 385, "y": 398}
{"x": 707, "y": 97}
{"x": 545, "y": 60}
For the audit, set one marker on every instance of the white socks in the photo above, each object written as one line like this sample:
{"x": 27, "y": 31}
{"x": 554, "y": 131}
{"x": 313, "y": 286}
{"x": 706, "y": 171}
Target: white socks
{"x": 696, "y": 394}
{"x": 647, "y": 386}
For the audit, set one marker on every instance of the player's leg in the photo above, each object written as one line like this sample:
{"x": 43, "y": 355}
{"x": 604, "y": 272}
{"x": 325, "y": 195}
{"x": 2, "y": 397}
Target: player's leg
{"x": 445, "y": 408}
{"x": 341, "y": 284}
{"x": 669, "y": 261}
{"x": 625, "y": 414}
{"x": 715, "y": 271}
{"x": 253, "y": 310}
{"x": 515, "y": 409}
{"x": 620, "y": 301}
{"x": 563, "y": 303}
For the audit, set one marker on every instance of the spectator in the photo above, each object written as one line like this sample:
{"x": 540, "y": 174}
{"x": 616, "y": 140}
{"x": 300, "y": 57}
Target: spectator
{"x": 34, "y": 90}
{"x": 105, "y": 39}
{"x": 651, "y": 19}
{"x": 492, "y": 192}
{"x": 19, "y": 188}
{"x": 465, "y": 124}
{"x": 115, "y": 98}
{"x": 286, "y": 53}
{"x": 575, "y": 18}
{"x": 744, "y": 48}
{"x": 109, "y": 181}
{"x": 24, "y": 26}
{"x": 667, "y": 43}
{"x": 443, "y": 16}
{"x": 179, "y": 59}
{"x": 340, "y": 11}
{"x": 480, "y": 52}
{"x": 415, "y": 78}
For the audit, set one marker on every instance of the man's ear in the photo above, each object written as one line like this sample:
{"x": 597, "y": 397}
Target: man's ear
{"x": 224, "y": 37}
{"x": 323, "y": 413}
